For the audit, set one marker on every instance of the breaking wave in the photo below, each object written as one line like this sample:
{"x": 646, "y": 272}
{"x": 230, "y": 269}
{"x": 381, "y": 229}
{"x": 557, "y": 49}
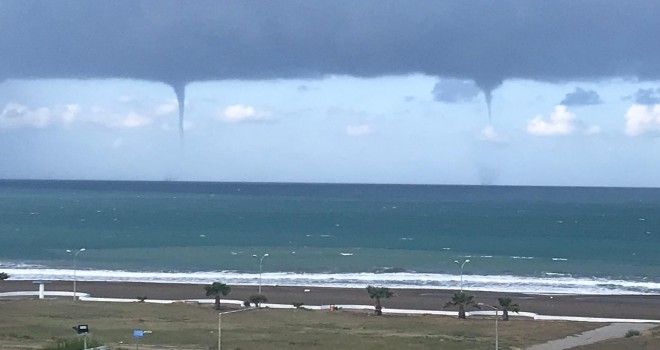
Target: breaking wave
{"x": 549, "y": 284}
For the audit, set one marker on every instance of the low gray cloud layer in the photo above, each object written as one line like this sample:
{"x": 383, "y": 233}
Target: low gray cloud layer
{"x": 581, "y": 97}
{"x": 178, "y": 41}
{"x": 647, "y": 96}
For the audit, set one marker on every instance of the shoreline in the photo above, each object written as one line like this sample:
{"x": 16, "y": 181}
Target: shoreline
{"x": 553, "y": 285}
{"x": 578, "y": 305}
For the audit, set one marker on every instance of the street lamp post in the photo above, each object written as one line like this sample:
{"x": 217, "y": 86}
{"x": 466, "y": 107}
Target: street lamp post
{"x": 462, "y": 265}
{"x": 496, "y": 318}
{"x": 75, "y": 256}
{"x": 261, "y": 264}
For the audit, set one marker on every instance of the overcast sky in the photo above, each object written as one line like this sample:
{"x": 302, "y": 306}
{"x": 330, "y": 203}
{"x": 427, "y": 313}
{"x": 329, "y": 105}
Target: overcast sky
{"x": 345, "y": 91}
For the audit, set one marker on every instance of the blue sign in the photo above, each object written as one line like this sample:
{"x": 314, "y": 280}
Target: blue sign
{"x": 138, "y": 333}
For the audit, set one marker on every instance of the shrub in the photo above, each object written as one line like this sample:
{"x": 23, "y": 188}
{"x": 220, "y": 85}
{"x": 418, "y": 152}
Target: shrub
{"x": 632, "y": 333}
{"x": 257, "y": 299}
{"x": 142, "y": 298}
{"x": 73, "y": 344}
{"x": 246, "y": 303}
{"x": 298, "y": 305}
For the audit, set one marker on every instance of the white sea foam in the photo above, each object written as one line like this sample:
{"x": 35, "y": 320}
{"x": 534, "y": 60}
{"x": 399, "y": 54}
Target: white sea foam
{"x": 18, "y": 265}
{"x": 555, "y": 274}
{"x": 500, "y": 283}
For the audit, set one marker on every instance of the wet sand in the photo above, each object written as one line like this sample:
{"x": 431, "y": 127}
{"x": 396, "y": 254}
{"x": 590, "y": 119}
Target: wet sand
{"x": 610, "y": 306}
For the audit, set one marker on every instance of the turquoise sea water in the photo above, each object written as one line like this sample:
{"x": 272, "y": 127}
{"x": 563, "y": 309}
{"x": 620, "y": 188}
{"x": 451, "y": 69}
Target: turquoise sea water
{"x": 548, "y": 234}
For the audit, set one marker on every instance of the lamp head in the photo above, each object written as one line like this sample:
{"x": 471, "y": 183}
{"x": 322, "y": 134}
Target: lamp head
{"x": 68, "y": 250}
{"x": 82, "y": 249}
{"x": 266, "y": 254}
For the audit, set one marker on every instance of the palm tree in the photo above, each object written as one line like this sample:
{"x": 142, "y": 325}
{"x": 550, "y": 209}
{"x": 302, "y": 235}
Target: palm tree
{"x": 506, "y": 306}
{"x": 378, "y": 293}
{"x": 461, "y": 300}
{"x": 216, "y": 289}
{"x": 3, "y": 276}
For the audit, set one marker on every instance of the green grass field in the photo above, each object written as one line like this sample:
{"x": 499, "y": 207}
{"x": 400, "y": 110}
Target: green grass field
{"x": 34, "y": 324}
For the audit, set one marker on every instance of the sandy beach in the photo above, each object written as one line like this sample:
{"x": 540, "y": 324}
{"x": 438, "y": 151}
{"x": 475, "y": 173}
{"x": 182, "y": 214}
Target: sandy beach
{"x": 610, "y": 306}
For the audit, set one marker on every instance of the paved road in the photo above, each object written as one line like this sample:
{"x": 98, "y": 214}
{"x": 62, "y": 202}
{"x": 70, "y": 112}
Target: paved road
{"x": 614, "y": 330}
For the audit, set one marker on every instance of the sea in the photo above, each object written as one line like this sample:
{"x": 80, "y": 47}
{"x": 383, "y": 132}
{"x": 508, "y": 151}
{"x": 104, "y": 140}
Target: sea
{"x": 547, "y": 240}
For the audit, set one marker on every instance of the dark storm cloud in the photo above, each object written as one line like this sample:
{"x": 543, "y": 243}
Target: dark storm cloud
{"x": 647, "y": 96}
{"x": 454, "y": 90}
{"x": 180, "y": 41}
{"x": 183, "y": 41}
{"x": 581, "y": 97}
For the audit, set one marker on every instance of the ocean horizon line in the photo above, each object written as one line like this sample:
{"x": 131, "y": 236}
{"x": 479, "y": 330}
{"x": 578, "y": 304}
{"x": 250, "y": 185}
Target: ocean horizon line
{"x": 320, "y": 183}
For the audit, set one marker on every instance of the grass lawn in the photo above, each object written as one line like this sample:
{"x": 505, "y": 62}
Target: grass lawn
{"x": 33, "y": 324}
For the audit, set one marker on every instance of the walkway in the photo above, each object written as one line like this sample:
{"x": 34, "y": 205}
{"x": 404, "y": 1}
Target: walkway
{"x": 82, "y": 296}
{"x": 614, "y": 330}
